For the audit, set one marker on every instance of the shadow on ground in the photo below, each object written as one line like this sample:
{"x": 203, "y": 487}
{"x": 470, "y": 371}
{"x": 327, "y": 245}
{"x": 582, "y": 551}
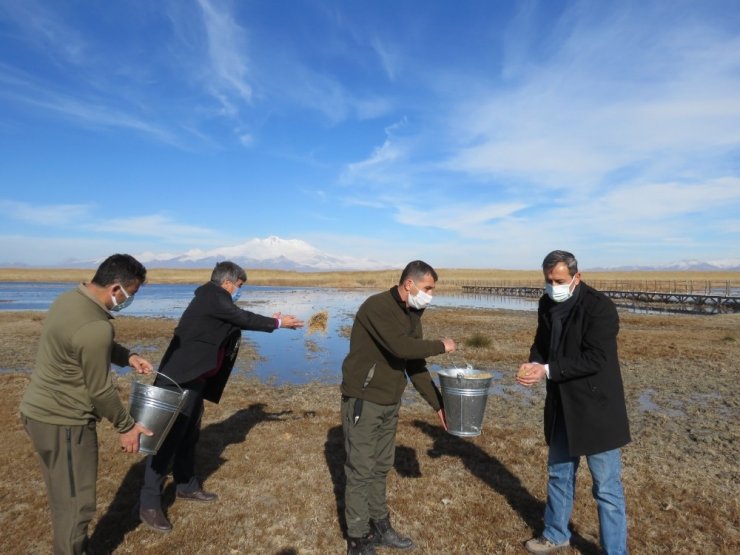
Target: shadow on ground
{"x": 499, "y": 478}
{"x": 122, "y": 514}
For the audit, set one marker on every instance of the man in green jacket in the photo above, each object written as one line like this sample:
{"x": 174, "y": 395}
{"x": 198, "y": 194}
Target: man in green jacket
{"x": 71, "y": 389}
{"x": 386, "y": 345}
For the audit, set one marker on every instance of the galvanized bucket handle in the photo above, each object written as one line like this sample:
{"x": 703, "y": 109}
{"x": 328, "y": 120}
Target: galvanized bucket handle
{"x": 177, "y": 385}
{"x": 467, "y": 365}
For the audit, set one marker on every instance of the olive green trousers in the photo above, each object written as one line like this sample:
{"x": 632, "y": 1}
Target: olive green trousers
{"x": 370, "y": 445}
{"x": 69, "y": 463}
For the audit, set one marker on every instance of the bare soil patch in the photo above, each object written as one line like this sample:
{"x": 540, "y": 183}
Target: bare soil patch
{"x": 275, "y": 455}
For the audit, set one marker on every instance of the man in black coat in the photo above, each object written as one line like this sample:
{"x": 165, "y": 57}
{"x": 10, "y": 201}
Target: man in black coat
{"x": 200, "y": 358}
{"x": 575, "y": 349}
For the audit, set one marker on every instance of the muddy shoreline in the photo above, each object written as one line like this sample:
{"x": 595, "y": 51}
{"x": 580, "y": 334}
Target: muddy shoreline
{"x": 274, "y": 453}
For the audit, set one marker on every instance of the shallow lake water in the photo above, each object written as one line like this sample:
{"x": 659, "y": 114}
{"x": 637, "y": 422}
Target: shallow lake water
{"x": 287, "y": 356}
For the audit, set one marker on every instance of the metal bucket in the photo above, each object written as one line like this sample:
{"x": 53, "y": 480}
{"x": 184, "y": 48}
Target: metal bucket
{"x": 465, "y": 393}
{"x": 156, "y": 408}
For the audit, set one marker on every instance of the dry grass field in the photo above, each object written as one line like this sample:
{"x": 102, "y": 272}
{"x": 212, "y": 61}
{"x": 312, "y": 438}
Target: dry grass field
{"x": 450, "y": 279}
{"x": 274, "y": 454}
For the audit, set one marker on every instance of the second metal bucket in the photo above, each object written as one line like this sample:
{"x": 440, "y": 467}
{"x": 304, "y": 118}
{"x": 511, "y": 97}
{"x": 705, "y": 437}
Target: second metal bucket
{"x": 465, "y": 393}
{"x": 156, "y": 408}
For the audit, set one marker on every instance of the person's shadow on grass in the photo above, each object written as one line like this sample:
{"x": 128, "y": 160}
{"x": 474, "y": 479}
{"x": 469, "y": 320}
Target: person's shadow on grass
{"x": 499, "y": 478}
{"x": 122, "y": 514}
{"x": 405, "y": 463}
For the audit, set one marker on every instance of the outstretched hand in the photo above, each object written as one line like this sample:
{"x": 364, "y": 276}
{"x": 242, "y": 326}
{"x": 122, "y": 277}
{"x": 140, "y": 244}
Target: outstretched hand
{"x": 288, "y": 321}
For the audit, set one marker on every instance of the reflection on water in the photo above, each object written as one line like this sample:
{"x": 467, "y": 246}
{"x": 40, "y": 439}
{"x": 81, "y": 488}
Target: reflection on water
{"x": 287, "y": 356}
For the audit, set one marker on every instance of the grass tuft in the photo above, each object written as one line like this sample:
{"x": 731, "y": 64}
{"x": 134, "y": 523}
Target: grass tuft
{"x": 477, "y": 341}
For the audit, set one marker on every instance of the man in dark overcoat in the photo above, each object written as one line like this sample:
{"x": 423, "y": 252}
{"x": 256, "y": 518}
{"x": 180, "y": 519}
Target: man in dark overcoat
{"x": 199, "y": 360}
{"x": 575, "y": 350}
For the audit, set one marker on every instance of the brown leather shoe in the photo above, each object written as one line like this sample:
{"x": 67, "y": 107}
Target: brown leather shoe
{"x": 197, "y": 495}
{"x": 155, "y": 519}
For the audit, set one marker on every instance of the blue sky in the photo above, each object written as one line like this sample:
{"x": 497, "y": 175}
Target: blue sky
{"x": 477, "y": 134}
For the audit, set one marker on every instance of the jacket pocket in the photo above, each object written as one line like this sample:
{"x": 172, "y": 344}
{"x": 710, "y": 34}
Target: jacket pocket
{"x": 596, "y": 392}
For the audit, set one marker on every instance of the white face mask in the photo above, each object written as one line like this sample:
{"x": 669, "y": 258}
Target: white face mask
{"x": 120, "y": 306}
{"x": 559, "y": 293}
{"x": 420, "y": 300}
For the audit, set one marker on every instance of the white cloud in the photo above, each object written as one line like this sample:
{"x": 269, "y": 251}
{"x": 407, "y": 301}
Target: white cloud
{"x": 388, "y": 59}
{"x": 46, "y": 30}
{"x": 156, "y": 226}
{"x": 227, "y": 53}
{"x": 45, "y": 215}
{"x": 614, "y": 93}
{"x": 79, "y": 108}
{"x": 468, "y": 220}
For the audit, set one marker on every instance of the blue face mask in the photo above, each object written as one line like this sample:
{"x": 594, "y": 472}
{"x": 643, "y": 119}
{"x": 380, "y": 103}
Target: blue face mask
{"x": 120, "y": 306}
{"x": 236, "y": 294}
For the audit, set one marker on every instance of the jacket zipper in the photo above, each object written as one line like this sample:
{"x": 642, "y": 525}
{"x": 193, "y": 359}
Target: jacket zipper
{"x": 70, "y": 470}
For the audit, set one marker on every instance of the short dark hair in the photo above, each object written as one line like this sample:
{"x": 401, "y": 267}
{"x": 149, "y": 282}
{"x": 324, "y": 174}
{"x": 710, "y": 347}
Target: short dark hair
{"x": 417, "y": 269}
{"x": 556, "y": 257}
{"x": 227, "y": 271}
{"x": 122, "y": 269}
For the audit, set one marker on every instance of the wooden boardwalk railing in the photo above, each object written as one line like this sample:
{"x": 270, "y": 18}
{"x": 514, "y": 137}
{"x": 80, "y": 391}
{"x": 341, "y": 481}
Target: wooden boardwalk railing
{"x": 731, "y": 302}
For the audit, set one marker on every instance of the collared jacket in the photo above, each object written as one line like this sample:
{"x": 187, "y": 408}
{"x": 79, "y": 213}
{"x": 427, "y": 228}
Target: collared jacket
{"x": 71, "y": 383}
{"x": 206, "y": 340}
{"x": 585, "y": 384}
{"x": 385, "y": 345}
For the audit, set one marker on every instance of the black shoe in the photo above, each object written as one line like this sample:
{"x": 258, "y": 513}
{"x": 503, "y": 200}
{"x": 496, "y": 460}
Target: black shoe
{"x": 197, "y": 495}
{"x": 386, "y": 536}
{"x": 361, "y": 546}
{"x": 155, "y": 519}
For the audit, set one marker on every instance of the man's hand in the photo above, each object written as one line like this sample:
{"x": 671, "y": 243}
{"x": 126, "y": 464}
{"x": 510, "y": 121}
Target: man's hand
{"x": 442, "y": 418}
{"x": 288, "y": 321}
{"x": 530, "y": 373}
{"x": 130, "y": 440}
{"x": 449, "y": 345}
{"x": 140, "y": 364}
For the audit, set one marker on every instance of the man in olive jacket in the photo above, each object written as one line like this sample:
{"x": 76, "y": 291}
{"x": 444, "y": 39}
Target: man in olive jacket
{"x": 386, "y": 345}
{"x": 71, "y": 389}
{"x": 199, "y": 359}
{"x": 575, "y": 349}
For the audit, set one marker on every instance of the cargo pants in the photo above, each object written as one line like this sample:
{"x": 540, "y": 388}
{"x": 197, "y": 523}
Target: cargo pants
{"x": 370, "y": 445}
{"x": 69, "y": 463}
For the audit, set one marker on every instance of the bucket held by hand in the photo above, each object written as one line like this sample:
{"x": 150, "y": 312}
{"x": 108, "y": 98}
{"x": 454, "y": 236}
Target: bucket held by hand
{"x": 157, "y": 409}
{"x": 465, "y": 393}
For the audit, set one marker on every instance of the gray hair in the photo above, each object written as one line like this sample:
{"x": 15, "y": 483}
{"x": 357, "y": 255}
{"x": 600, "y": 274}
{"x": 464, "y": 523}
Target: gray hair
{"x": 227, "y": 271}
{"x": 556, "y": 257}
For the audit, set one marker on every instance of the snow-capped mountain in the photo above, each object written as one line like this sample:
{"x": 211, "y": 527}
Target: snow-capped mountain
{"x": 269, "y": 253}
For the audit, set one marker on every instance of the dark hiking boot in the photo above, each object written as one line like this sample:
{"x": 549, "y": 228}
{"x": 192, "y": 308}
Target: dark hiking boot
{"x": 361, "y": 546}
{"x": 386, "y": 536}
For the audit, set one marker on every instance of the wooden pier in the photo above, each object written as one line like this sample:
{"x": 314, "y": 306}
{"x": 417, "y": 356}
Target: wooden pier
{"x": 725, "y": 302}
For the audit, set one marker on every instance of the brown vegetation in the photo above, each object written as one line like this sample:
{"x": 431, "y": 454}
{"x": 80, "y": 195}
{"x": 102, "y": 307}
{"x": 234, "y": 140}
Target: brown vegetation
{"x": 450, "y": 279}
{"x": 274, "y": 454}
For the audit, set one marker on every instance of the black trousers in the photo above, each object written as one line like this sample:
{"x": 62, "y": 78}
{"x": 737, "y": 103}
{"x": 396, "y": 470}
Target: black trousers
{"x": 177, "y": 452}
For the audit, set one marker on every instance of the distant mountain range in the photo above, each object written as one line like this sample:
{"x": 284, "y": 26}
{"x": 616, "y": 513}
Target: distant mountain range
{"x": 726, "y": 265}
{"x": 274, "y": 253}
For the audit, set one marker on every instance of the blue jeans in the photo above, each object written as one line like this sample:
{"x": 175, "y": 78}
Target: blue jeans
{"x": 607, "y": 491}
